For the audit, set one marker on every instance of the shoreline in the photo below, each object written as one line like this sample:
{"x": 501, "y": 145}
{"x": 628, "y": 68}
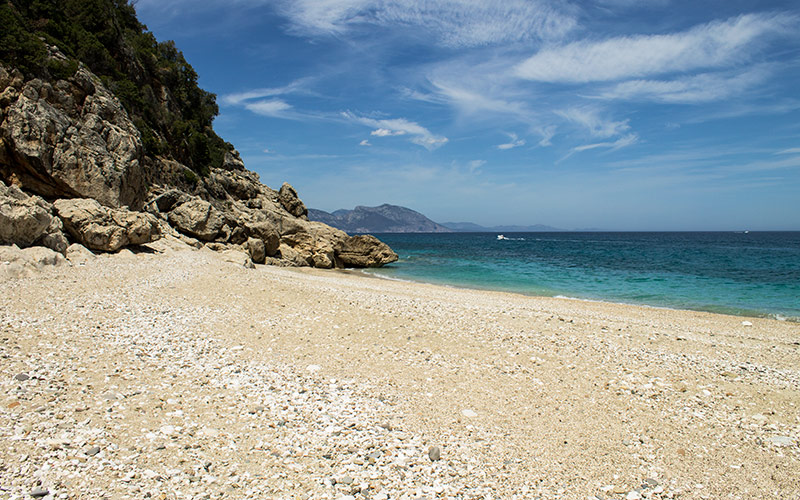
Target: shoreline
{"x": 179, "y": 374}
{"x": 744, "y": 314}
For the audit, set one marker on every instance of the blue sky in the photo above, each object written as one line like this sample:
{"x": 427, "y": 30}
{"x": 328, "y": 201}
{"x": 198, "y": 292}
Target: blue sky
{"x": 612, "y": 114}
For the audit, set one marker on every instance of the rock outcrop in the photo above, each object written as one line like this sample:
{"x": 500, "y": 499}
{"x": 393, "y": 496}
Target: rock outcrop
{"x": 364, "y": 251}
{"x": 23, "y": 219}
{"x": 70, "y": 141}
{"x": 197, "y": 218}
{"x": 105, "y": 229}
{"x": 29, "y": 220}
{"x": 69, "y": 138}
{"x": 291, "y": 202}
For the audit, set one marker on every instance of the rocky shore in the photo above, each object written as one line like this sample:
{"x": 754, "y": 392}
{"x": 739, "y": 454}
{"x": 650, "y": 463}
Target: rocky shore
{"x": 173, "y": 372}
{"x": 73, "y": 170}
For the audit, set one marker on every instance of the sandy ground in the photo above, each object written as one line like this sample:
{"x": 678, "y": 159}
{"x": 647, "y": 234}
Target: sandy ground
{"x": 178, "y": 375}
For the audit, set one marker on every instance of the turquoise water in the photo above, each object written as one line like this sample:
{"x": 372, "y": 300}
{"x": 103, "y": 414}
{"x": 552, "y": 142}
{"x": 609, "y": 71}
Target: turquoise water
{"x": 749, "y": 274}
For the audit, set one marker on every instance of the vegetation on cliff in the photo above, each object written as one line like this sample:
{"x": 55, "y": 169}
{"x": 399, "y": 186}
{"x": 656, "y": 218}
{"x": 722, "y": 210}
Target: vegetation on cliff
{"x": 152, "y": 79}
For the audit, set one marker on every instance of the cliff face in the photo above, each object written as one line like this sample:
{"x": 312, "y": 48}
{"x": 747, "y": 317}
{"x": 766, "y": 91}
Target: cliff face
{"x": 382, "y": 219}
{"x": 65, "y": 135}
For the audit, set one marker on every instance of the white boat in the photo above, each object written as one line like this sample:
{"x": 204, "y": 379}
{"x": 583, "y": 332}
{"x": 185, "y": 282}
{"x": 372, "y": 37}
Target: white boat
{"x": 501, "y": 237}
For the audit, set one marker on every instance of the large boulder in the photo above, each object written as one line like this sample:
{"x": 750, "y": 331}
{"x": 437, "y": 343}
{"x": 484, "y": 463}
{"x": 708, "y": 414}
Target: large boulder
{"x": 364, "y": 251}
{"x": 23, "y": 219}
{"x": 267, "y": 233}
{"x": 55, "y": 239}
{"x": 291, "y": 202}
{"x": 78, "y": 254}
{"x": 315, "y": 247}
{"x": 237, "y": 184}
{"x": 198, "y": 218}
{"x": 106, "y": 229}
{"x": 19, "y": 263}
{"x": 170, "y": 199}
{"x": 71, "y": 138}
{"x": 255, "y": 248}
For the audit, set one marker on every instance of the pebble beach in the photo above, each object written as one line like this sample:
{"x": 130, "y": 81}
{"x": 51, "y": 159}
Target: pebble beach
{"x": 173, "y": 374}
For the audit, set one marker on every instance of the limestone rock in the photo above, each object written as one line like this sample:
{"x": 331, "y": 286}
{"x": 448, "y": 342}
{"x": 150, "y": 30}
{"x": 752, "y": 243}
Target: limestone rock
{"x": 290, "y": 201}
{"x": 55, "y": 239}
{"x": 18, "y": 263}
{"x": 197, "y": 218}
{"x": 256, "y": 249}
{"x": 315, "y": 246}
{"x": 233, "y": 161}
{"x": 23, "y": 219}
{"x": 267, "y": 233}
{"x": 236, "y": 184}
{"x": 105, "y": 229}
{"x": 292, "y": 256}
{"x": 78, "y": 254}
{"x": 237, "y": 257}
{"x": 364, "y": 251}
{"x": 72, "y": 138}
{"x": 168, "y": 200}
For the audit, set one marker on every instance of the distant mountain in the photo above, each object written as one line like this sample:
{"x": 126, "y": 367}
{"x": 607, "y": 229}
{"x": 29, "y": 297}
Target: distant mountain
{"x": 383, "y": 219}
{"x": 469, "y": 227}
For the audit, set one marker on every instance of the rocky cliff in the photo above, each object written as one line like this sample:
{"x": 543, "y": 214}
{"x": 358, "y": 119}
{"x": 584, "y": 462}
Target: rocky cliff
{"x": 79, "y": 166}
{"x": 382, "y": 219}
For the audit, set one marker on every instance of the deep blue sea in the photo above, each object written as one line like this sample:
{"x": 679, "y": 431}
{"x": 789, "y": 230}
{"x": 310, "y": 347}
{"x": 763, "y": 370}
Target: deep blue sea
{"x": 748, "y": 274}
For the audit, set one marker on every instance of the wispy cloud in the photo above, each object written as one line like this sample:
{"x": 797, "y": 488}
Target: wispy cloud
{"x": 790, "y": 151}
{"x": 475, "y": 165}
{"x": 364, "y": 143}
{"x": 453, "y": 23}
{"x": 272, "y": 107}
{"x": 238, "y": 98}
{"x": 689, "y": 89}
{"x": 385, "y": 132}
{"x": 620, "y": 143}
{"x": 267, "y": 101}
{"x": 515, "y": 142}
{"x": 712, "y": 45}
{"x": 399, "y": 126}
{"x": 547, "y": 133}
{"x": 471, "y": 101}
{"x": 590, "y": 118}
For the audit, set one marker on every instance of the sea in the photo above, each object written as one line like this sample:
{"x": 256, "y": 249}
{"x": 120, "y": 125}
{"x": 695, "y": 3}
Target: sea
{"x": 744, "y": 273}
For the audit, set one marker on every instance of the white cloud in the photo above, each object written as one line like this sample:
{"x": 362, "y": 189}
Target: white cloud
{"x": 475, "y": 165}
{"x": 514, "y": 143}
{"x": 690, "y": 89}
{"x": 590, "y": 118}
{"x": 273, "y": 107}
{"x": 400, "y": 126}
{"x": 385, "y": 132}
{"x": 547, "y": 134}
{"x": 790, "y": 151}
{"x": 620, "y": 143}
{"x": 454, "y": 23}
{"x": 240, "y": 98}
{"x": 713, "y": 45}
{"x": 471, "y": 101}
{"x": 364, "y": 143}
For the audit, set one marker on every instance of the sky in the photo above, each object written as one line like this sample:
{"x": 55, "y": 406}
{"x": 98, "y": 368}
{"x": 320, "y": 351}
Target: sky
{"x": 609, "y": 114}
